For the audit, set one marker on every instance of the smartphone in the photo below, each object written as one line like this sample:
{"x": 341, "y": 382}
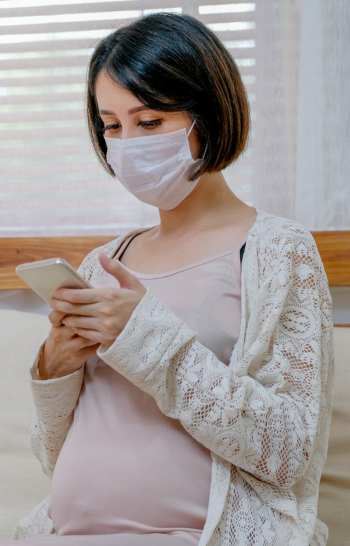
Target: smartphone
{"x": 47, "y": 276}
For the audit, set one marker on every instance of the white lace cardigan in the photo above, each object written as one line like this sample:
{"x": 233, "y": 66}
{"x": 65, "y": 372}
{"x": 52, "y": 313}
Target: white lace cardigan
{"x": 265, "y": 417}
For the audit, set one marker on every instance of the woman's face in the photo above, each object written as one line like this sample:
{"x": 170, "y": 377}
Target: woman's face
{"x": 127, "y": 117}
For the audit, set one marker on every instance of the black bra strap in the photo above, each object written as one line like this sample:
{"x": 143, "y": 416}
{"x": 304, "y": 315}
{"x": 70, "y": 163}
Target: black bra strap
{"x": 122, "y": 250}
{"x": 241, "y": 252}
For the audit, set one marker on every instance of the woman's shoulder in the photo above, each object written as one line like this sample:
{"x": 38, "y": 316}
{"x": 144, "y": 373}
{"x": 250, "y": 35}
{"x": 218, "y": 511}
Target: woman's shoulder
{"x": 277, "y": 244}
{"x": 268, "y": 226}
{"x": 90, "y": 268}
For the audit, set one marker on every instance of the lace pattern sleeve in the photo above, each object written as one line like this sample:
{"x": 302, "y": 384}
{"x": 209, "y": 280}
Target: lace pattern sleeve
{"x": 55, "y": 399}
{"x": 261, "y": 413}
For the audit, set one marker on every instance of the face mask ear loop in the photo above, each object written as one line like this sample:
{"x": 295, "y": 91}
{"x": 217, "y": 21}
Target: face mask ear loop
{"x": 205, "y": 151}
{"x": 188, "y": 134}
{"x": 206, "y": 147}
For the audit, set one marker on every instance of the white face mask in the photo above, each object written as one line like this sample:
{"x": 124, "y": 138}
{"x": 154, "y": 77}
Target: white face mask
{"x": 156, "y": 169}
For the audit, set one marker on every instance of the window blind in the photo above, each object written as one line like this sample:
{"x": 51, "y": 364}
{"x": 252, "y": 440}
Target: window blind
{"x": 50, "y": 180}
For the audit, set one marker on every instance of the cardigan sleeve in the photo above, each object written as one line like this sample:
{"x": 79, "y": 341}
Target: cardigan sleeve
{"x": 262, "y": 412}
{"x": 55, "y": 399}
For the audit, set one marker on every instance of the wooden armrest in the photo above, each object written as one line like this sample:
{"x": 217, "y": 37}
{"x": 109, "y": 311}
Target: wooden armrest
{"x": 334, "y": 248}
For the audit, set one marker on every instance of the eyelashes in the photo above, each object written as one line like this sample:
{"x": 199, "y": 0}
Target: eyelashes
{"x": 116, "y": 126}
{"x": 152, "y": 123}
{"x": 108, "y": 127}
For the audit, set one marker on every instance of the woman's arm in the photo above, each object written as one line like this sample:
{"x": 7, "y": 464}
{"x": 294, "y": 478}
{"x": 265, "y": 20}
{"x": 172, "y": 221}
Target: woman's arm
{"x": 262, "y": 412}
{"x": 55, "y": 400}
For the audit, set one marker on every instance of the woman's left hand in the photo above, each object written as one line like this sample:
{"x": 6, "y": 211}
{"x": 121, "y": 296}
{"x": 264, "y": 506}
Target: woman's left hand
{"x": 100, "y": 314}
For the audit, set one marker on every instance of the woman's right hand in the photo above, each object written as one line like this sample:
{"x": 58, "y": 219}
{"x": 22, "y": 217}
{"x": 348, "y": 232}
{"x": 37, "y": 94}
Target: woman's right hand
{"x": 64, "y": 351}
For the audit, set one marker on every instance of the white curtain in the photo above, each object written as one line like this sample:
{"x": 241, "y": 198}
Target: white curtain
{"x": 294, "y": 58}
{"x": 323, "y": 149}
{"x": 278, "y": 54}
{"x": 302, "y": 126}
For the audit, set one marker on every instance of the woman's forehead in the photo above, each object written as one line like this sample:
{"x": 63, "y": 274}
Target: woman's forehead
{"x": 109, "y": 91}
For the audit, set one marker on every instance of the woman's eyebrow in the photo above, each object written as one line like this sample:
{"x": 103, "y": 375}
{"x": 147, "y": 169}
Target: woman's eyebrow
{"x": 131, "y": 111}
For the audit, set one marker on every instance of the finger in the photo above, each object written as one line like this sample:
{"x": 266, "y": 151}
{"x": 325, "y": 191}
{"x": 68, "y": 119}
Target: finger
{"x": 76, "y": 321}
{"x": 81, "y": 343}
{"x": 67, "y": 332}
{"x": 55, "y": 317}
{"x": 73, "y": 309}
{"x": 78, "y": 295}
{"x": 84, "y": 342}
{"x": 125, "y": 278}
{"x": 93, "y": 335}
{"x": 90, "y": 352}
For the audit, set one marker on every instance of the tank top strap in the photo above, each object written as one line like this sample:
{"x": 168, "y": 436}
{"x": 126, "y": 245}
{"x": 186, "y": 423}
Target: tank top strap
{"x": 124, "y": 245}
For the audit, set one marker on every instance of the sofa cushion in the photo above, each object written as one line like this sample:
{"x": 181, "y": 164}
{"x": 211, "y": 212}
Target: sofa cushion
{"x": 23, "y": 483}
{"x": 334, "y": 497}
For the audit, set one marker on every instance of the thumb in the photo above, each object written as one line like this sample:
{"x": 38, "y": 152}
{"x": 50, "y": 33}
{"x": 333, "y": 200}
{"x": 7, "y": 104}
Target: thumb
{"x": 123, "y": 276}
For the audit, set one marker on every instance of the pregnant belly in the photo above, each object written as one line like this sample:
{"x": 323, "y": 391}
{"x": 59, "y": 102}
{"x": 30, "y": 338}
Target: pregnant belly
{"x": 125, "y": 467}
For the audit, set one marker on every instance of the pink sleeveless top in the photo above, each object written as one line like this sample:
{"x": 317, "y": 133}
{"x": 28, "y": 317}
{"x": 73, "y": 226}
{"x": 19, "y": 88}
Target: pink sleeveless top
{"x": 125, "y": 467}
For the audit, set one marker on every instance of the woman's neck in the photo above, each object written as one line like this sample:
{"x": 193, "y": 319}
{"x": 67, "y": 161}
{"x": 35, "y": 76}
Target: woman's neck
{"x": 210, "y": 205}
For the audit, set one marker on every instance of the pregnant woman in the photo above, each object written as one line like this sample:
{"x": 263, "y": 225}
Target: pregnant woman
{"x": 186, "y": 399}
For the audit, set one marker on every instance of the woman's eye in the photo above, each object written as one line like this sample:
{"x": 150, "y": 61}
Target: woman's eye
{"x": 110, "y": 127}
{"x": 115, "y": 126}
{"x": 152, "y": 123}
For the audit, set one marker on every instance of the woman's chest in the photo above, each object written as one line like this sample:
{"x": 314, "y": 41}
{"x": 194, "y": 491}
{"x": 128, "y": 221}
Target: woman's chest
{"x": 205, "y": 295}
{"x": 142, "y": 253}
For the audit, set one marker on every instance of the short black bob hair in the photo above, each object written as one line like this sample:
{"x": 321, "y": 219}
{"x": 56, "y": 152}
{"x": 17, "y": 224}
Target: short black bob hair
{"x": 173, "y": 62}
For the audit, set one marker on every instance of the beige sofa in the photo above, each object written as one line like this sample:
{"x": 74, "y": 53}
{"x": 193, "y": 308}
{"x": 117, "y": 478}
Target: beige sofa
{"x": 23, "y": 484}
